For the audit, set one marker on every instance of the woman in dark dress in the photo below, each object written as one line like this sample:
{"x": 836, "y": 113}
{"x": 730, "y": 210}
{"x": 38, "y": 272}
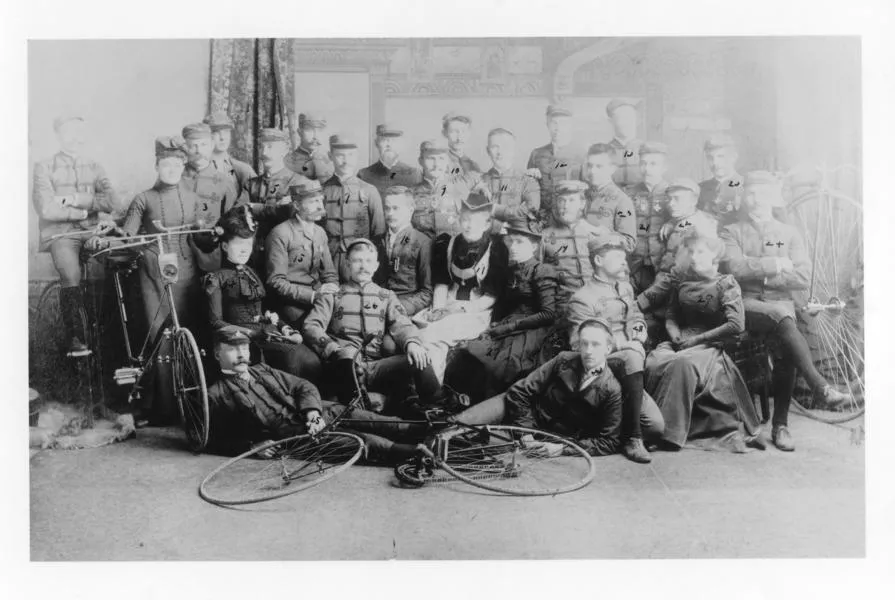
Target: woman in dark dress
{"x": 234, "y": 294}
{"x": 525, "y": 308}
{"x": 698, "y": 388}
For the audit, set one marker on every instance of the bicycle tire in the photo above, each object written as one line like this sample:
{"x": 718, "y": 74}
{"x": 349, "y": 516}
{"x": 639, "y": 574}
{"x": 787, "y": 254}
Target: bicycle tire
{"x": 190, "y": 389}
{"x": 835, "y": 337}
{"x": 500, "y": 463}
{"x": 248, "y": 479}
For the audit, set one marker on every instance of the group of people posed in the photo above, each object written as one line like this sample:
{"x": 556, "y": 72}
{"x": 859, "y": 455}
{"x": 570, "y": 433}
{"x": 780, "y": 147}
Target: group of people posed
{"x": 587, "y": 295}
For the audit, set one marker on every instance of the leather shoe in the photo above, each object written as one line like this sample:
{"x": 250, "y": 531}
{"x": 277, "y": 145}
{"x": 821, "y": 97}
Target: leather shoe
{"x": 782, "y": 439}
{"x": 635, "y": 451}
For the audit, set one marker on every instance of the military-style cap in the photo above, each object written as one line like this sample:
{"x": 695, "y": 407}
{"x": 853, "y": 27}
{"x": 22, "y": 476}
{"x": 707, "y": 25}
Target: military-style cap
{"x": 388, "y": 130}
{"x": 431, "y": 147}
{"x": 397, "y": 190}
{"x": 341, "y": 141}
{"x": 476, "y": 202}
{"x": 523, "y": 227}
{"x": 65, "y": 118}
{"x": 306, "y": 189}
{"x": 760, "y": 178}
{"x": 311, "y": 119}
{"x": 228, "y": 334}
{"x": 683, "y": 183}
{"x": 360, "y": 242}
{"x": 653, "y": 148}
{"x": 169, "y": 146}
{"x": 617, "y": 103}
{"x": 558, "y": 110}
{"x": 196, "y": 130}
{"x": 218, "y": 120}
{"x": 567, "y": 187}
{"x": 270, "y": 134}
{"x": 597, "y": 322}
{"x": 720, "y": 140}
{"x": 455, "y": 116}
{"x": 610, "y": 240}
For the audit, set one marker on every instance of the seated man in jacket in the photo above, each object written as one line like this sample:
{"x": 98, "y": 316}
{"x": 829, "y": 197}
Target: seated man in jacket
{"x": 574, "y": 395}
{"x": 609, "y": 295}
{"x": 251, "y": 405}
{"x": 341, "y": 324}
{"x": 769, "y": 261}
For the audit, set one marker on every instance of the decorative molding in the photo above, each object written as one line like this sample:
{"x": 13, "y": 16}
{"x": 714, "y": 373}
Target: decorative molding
{"x": 343, "y": 56}
{"x": 466, "y": 86}
{"x": 564, "y": 78}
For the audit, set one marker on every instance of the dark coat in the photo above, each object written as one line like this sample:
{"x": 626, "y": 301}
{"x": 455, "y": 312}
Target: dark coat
{"x": 408, "y": 271}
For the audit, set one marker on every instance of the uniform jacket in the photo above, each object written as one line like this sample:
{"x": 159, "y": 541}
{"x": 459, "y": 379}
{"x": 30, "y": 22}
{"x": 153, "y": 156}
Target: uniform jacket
{"x": 79, "y": 183}
{"x": 405, "y": 267}
{"x": 750, "y": 250}
{"x": 298, "y": 261}
{"x": 555, "y": 166}
{"x": 353, "y": 210}
{"x": 313, "y": 166}
{"x": 711, "y": 308}
{"x": 549, "y": 398}
{"x": 437, "y": 205}
{"x": 216, "y": 190}
{"x": 463, "y": 165}
{"x": 627, "y": 162}
{"x": 610, "y": 207}
{"x": 271, "y": 407}
{"x": 240, "y": 172}
{"x": 651, "y": 208}
{"x": 611, "y": 300}
{"x": 265, "y": 191}
{"x": 346, "y": 318}
{"x": 382, "y": 177}
{"x": 515, "y": 195}
{"x": 722, "y": 199}
{"x": 173, "y": 205}
{"x": 565, "y": 248}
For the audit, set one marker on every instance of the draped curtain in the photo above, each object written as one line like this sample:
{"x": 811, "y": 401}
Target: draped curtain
{"x": 253, "y": 80}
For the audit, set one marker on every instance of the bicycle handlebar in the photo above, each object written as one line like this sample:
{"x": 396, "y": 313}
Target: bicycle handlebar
{"x": 150, "y": 238}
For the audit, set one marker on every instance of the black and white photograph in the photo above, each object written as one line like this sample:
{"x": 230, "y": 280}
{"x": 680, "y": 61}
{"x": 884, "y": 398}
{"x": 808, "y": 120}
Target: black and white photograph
{"x": 387, "y": 295}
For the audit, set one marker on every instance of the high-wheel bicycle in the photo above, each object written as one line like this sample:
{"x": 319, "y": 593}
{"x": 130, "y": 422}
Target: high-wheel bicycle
{"x": 831, "y": 312}
{"x": 188, "y": 375}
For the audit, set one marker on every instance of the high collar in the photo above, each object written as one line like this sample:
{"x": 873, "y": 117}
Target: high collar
{"x": 344, "y": 180}
{"x": 601, "y": 186}
{"x": 602, "y": 280}
{"x": 391, "y": 166}
{"x": 161, "y": 186}
{"x": 397, "y": 233}
{"x": 506, "y": 172}
{"x": 353, "y": 285}
{"x": 524, "y": 263}
{"x": 621, "y": 142}
{"x": 72, "y": 157}
{"x": 730, "y": 177}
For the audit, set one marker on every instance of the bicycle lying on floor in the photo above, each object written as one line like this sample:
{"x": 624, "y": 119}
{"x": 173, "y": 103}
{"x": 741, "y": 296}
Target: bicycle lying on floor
{"x": 505, "y": 459}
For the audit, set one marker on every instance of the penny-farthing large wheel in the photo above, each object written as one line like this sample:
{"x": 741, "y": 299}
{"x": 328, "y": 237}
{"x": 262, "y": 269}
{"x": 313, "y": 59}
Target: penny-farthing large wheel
{"x": 190, "y": 389}
{"x": 831, "y": 313}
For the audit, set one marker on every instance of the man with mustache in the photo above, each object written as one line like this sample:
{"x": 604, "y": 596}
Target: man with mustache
{"x": 624, "y": 144}
{"x": 353, "y": 207}
{"x": 560, "y": 160}
{"x": 69, "y": 192}
{"x": 651, "y": 207}
{"x": 310, "y": 159}
{"x": 455, "y": 127}
{"x": 340, "y": 323}
{"x": 389, "y": 171}
{"x": 607, "y": 204}
{"x": 299, "y": 266}
{"x": 516, "y": 195}
{"x": 216, "y": 190}
{"x": 438, "y": 197}
{"x": 722, "y": 195}
{"x": 221, "y": 135}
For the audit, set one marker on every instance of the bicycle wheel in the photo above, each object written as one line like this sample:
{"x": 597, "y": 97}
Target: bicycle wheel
{"x": 507, "y": 460}
{"x": 190, "y": 389}
{"x": 299, "y": 462}
{"x": 832, "y": 311}
{"x": 46, "y": 328}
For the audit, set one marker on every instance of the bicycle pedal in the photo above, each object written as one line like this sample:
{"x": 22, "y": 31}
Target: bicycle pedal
{"x": 127, "y": 375}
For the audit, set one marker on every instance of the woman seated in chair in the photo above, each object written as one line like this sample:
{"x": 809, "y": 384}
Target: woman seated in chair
{"x": 234, "y": 294}
{"x": 523, "y": 313}
{"x": 697, "y": 386}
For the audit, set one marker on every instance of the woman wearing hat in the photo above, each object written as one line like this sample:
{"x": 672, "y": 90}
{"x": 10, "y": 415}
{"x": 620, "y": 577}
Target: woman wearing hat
{"x": 698, "y": 388}
{"x": 510, "y": 348}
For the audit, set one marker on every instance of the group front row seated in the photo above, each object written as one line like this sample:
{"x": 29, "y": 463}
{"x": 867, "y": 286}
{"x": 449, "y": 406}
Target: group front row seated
{"x": 531, "y": 325}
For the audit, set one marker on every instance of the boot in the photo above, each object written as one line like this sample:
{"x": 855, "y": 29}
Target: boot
{"x": 634, "y": 450}
{"x": 832, "y": 399}
{"x": 71, "y": 304}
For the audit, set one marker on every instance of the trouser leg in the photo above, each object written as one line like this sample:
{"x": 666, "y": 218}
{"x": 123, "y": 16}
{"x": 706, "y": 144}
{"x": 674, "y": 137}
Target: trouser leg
{"x": 652, "y": 423}
{"x": 488, "y": 412}
{"x": 796, "y": 346}
{"x": 627, "y": 366}
{"x": 783, "y": 381}
{"x": 388, "y": 373}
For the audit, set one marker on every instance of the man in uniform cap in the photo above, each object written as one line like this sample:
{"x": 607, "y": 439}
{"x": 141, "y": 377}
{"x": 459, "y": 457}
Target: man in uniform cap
{"x": 353, "y": 206}
{"x": 625, "y": 145}
{"x": 721, "y": 195}
{"x": 310, "y": 158}
{"x": 389, "y": 171}
{"x": 438, "y": 197}
{"x": 606, "y": 204}
{"x": 769, "y": 260}
{"x": 69, "y": 192}
{"x": 455, "y": 127}
{"x": 559, "y": 160}
{"x": 515, "y": 194}
{"x": 221, "y": 134}
{"x": 216, "y": 190}
{"x": 566, "y": 238}
{"x": 298, "y": 262}
{"x": 609, "y": 295}
{"x": 269, "y": 192}
{"x": 650, "y": 206}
